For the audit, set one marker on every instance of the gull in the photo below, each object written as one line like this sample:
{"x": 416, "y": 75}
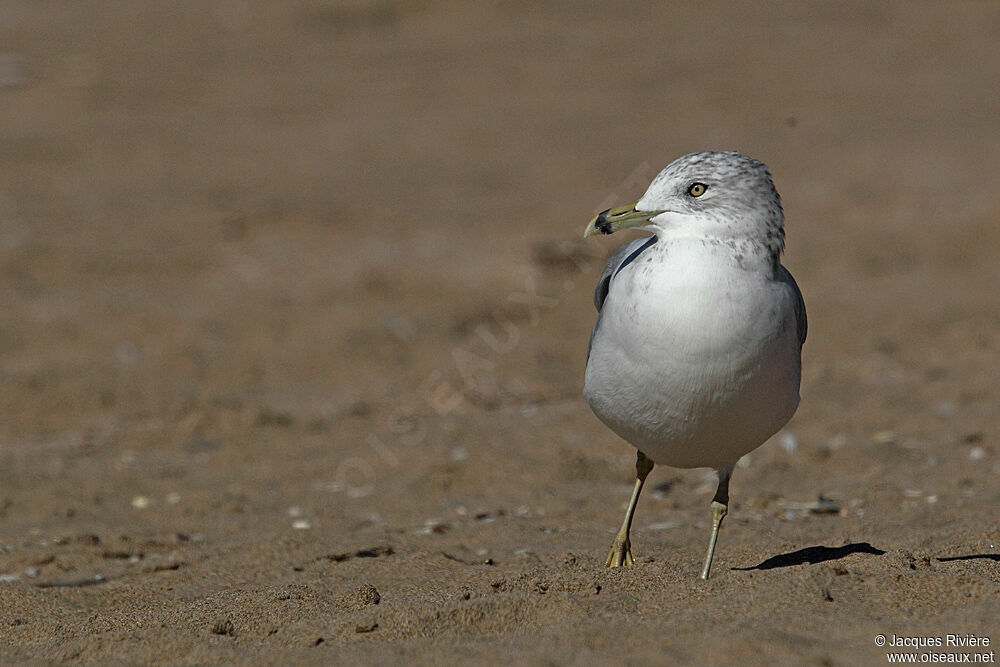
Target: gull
{"x": 695, "y": 358}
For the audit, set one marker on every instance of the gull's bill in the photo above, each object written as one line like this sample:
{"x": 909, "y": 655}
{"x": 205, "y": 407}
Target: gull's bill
{"x": 620, "y": 217}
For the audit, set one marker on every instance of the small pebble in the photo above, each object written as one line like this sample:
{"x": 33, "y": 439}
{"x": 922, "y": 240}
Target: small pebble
{"x": 432, "y": 526}
{"x": 302, "y": 524}
{"x": 825, "y": 505}
{"x": 884, "y": 437}
{"x": 945, "y": 408}
{"x": 931, "y": 499}
{"x": 663, "y": 525}
{"x": 368, "y": 595}
{"x": 224, "y": 627}
{"x": 788, "y": 442}
{"x": 977, "y": 454}
{"x": 140, "y": 502}
{"x": 173, "y": 498}
{"x": 837, "y": 441}
{"x": 294, "y": 512}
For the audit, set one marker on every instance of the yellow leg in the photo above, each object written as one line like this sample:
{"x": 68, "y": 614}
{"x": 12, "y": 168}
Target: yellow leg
{"x": 720, "y": 507}
{"x": 621, "y": 548}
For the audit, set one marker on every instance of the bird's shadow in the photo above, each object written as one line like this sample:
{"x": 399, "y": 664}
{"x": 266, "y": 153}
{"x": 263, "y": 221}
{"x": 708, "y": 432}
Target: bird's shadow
{"x": 993, "y": 557}
{"x": 814, "y": 555}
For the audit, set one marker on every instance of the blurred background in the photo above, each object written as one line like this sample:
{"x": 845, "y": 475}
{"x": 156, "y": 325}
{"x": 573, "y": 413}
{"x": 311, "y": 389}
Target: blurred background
{"x": 325, "y": 257}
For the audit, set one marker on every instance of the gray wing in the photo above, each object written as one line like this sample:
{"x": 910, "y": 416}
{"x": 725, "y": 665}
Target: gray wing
{"x": 622, "y": 257}
{"x": 801, "y": 323}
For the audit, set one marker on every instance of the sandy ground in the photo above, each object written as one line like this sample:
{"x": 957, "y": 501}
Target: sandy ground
{"x": 295, "y": 310}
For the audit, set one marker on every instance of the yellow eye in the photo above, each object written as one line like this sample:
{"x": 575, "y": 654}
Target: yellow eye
{"x": 697, "y": 189}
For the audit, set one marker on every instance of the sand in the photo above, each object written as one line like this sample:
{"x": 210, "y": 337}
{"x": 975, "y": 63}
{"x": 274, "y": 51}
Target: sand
{"x": 295, "y": 310}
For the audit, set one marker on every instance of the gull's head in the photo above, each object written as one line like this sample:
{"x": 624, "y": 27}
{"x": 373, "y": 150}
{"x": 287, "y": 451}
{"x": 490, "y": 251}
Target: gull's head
{"x": 719, "y": 195}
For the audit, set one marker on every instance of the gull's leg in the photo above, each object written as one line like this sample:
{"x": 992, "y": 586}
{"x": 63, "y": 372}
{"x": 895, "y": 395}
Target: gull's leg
{"x": 720, "y": 506}
{"x": 621, "y": 549}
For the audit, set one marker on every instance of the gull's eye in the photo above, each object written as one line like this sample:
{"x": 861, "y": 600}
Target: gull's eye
{"x": 697, "y": 189}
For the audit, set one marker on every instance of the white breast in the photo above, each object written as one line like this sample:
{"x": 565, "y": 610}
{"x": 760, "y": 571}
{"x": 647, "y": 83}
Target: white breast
{"x": 696, "y": 361}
